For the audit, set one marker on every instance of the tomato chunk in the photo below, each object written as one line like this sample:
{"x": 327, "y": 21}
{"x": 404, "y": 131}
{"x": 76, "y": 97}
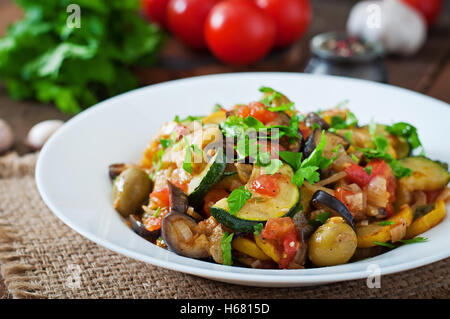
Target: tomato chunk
{"x": 357, "y": 175}
{"x": 152, "y": 223}
{"x": 306, "y": 131}
{"x": 257, "y": 110}
{"x": 284, "y": 233}
{"x": 266, "y": 184}
{"x": 160, "y": 197}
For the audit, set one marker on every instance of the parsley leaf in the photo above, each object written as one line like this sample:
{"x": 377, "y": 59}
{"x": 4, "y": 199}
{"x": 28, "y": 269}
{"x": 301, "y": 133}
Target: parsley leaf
{"x": 310, "y": 173}
{"x": 44, "y": 58}
{"x": 273, "y": 166}
{"x": 282, "y": 108}
{"x": 407, "y": 131}
{"x": 386, "y": 223}
{"x": 187, "y": 163}
{"x": 225, "y": 244}
{"x": 414, "y": 240}
{"x": 292, "y": 158}
{"x": 237, "y": 199}
{"x": 258, "y": 228}
{"x": 381, "y": 145}
{"x": 323, "y": 217}
{"x": 339, "y": 123}
{"x": 388, "y": 245}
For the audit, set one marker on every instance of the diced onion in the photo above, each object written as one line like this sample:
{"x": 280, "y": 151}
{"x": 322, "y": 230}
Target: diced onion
{"x": 333, "y": 178}
{"x": 377, "y": 194}
{"x": 184, "y": 231}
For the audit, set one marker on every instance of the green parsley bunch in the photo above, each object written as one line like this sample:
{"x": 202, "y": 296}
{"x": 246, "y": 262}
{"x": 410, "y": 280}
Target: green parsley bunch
{"x": 44, "y": 58}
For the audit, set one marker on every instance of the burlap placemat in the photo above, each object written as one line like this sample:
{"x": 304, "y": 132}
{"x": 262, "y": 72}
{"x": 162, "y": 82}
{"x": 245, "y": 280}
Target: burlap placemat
{"x": 42, "y": 257}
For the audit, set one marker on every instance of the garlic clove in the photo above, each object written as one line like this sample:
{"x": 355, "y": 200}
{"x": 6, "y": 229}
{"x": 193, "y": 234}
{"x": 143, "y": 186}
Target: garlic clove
{"x": 399, "y": 28}
{"x": 41, "y": 132}
{"x": 6, "y": 136}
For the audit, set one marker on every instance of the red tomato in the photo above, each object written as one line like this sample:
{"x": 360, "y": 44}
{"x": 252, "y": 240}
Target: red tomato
{"x": 266, "y": 184}
{"x": 161, "y": 197}
{"x": 186, "y": 19}
{"x": 155, "y": 10}
{"x": 381, "y": 168}
{"x": 213, "y": 196}
{"x": 239, "y": 32}
{"x": 429, "y": 9}
{"x": 291, "y": 18}
{"x": 283, "y": 232}
{"x": 341, "y": 193}
{"x": 154, "y": 223}
{"x": 357, "y": 174}
{"x": 181, "y": 185}
{"x": 306, "y": 131}
{"x": 433, "y": 195}
{"x": 258, "y": 110}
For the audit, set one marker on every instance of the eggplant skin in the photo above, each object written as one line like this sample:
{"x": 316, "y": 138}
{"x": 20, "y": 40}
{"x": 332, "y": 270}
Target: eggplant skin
{"x": 322, "y": 199}
{"x": 314, "y": 118}
{"x": 178, "y": 200}
{"x": 175, "y": 243}
{"x": 139, "y": 228}
{"x": 333, "y": 140}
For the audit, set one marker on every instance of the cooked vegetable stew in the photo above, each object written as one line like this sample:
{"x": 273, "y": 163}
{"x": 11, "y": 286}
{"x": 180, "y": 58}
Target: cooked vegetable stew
{"x": 263, "y": 185}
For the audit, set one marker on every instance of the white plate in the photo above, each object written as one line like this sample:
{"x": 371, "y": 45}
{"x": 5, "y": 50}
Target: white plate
{"x": 72, "y": 168}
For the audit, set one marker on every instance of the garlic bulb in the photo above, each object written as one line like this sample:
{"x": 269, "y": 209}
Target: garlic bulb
{"x": 41, "y": 132}
{"x": 398, "y": 27}
{"x": 6, "y": 136}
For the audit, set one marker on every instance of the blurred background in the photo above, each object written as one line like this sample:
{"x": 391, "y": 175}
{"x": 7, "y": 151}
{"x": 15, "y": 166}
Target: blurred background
{"x": 59, "y": 57}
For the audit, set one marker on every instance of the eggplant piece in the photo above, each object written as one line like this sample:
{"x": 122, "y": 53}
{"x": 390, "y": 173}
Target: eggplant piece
{"x": 115, "y": 170}
{"x": 178, "y": 200}
{"x": 139, "y": 228}
{"x": 333, "y": 140}
{"x": 323, "y": 200}
{"x": 314, "y": 118}
{"x": 180, "y": 234}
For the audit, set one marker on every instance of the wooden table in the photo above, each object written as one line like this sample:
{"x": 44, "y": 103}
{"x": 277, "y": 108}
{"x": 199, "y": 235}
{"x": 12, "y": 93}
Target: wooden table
{"x": 427, "y": 72}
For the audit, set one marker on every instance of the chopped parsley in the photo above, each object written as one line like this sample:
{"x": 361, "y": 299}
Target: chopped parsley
{"x": 157, "y": 212}
{"x": 339, "y": 123}
{"x": 407, "y": 131}
{"x": 386, "y": 223}
{"x": 258, "y": 228}
{"x": 189, "y": 118}
{"x": 414, "y": 240}
{"x": 237, "y": 199}
{"x": 380, "y": 151}
{"x": 368, "y": 170}
{"x": 388, "y": 245}
{"x": 322, "y": 218}
{"x": 355, "y": 158}
{"x": 225, "y": 244}
{"x": 292, "y": 158}
{"x": 273, "y": 166}
{"x": 282, "y": 107}
{"x": 187, "y": 163}
{"x": 308, "y": 169}
{"x": 403, "y": 241}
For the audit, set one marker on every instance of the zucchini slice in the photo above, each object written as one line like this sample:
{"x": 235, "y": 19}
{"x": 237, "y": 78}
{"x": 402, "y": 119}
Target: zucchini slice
{"x": 426, "y": 174}
{"x": 259, "y": 209}
{"x": 200, "y": 184}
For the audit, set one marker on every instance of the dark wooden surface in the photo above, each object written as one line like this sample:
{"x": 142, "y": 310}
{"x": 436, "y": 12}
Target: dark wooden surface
{"x": 427, "y": 72}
